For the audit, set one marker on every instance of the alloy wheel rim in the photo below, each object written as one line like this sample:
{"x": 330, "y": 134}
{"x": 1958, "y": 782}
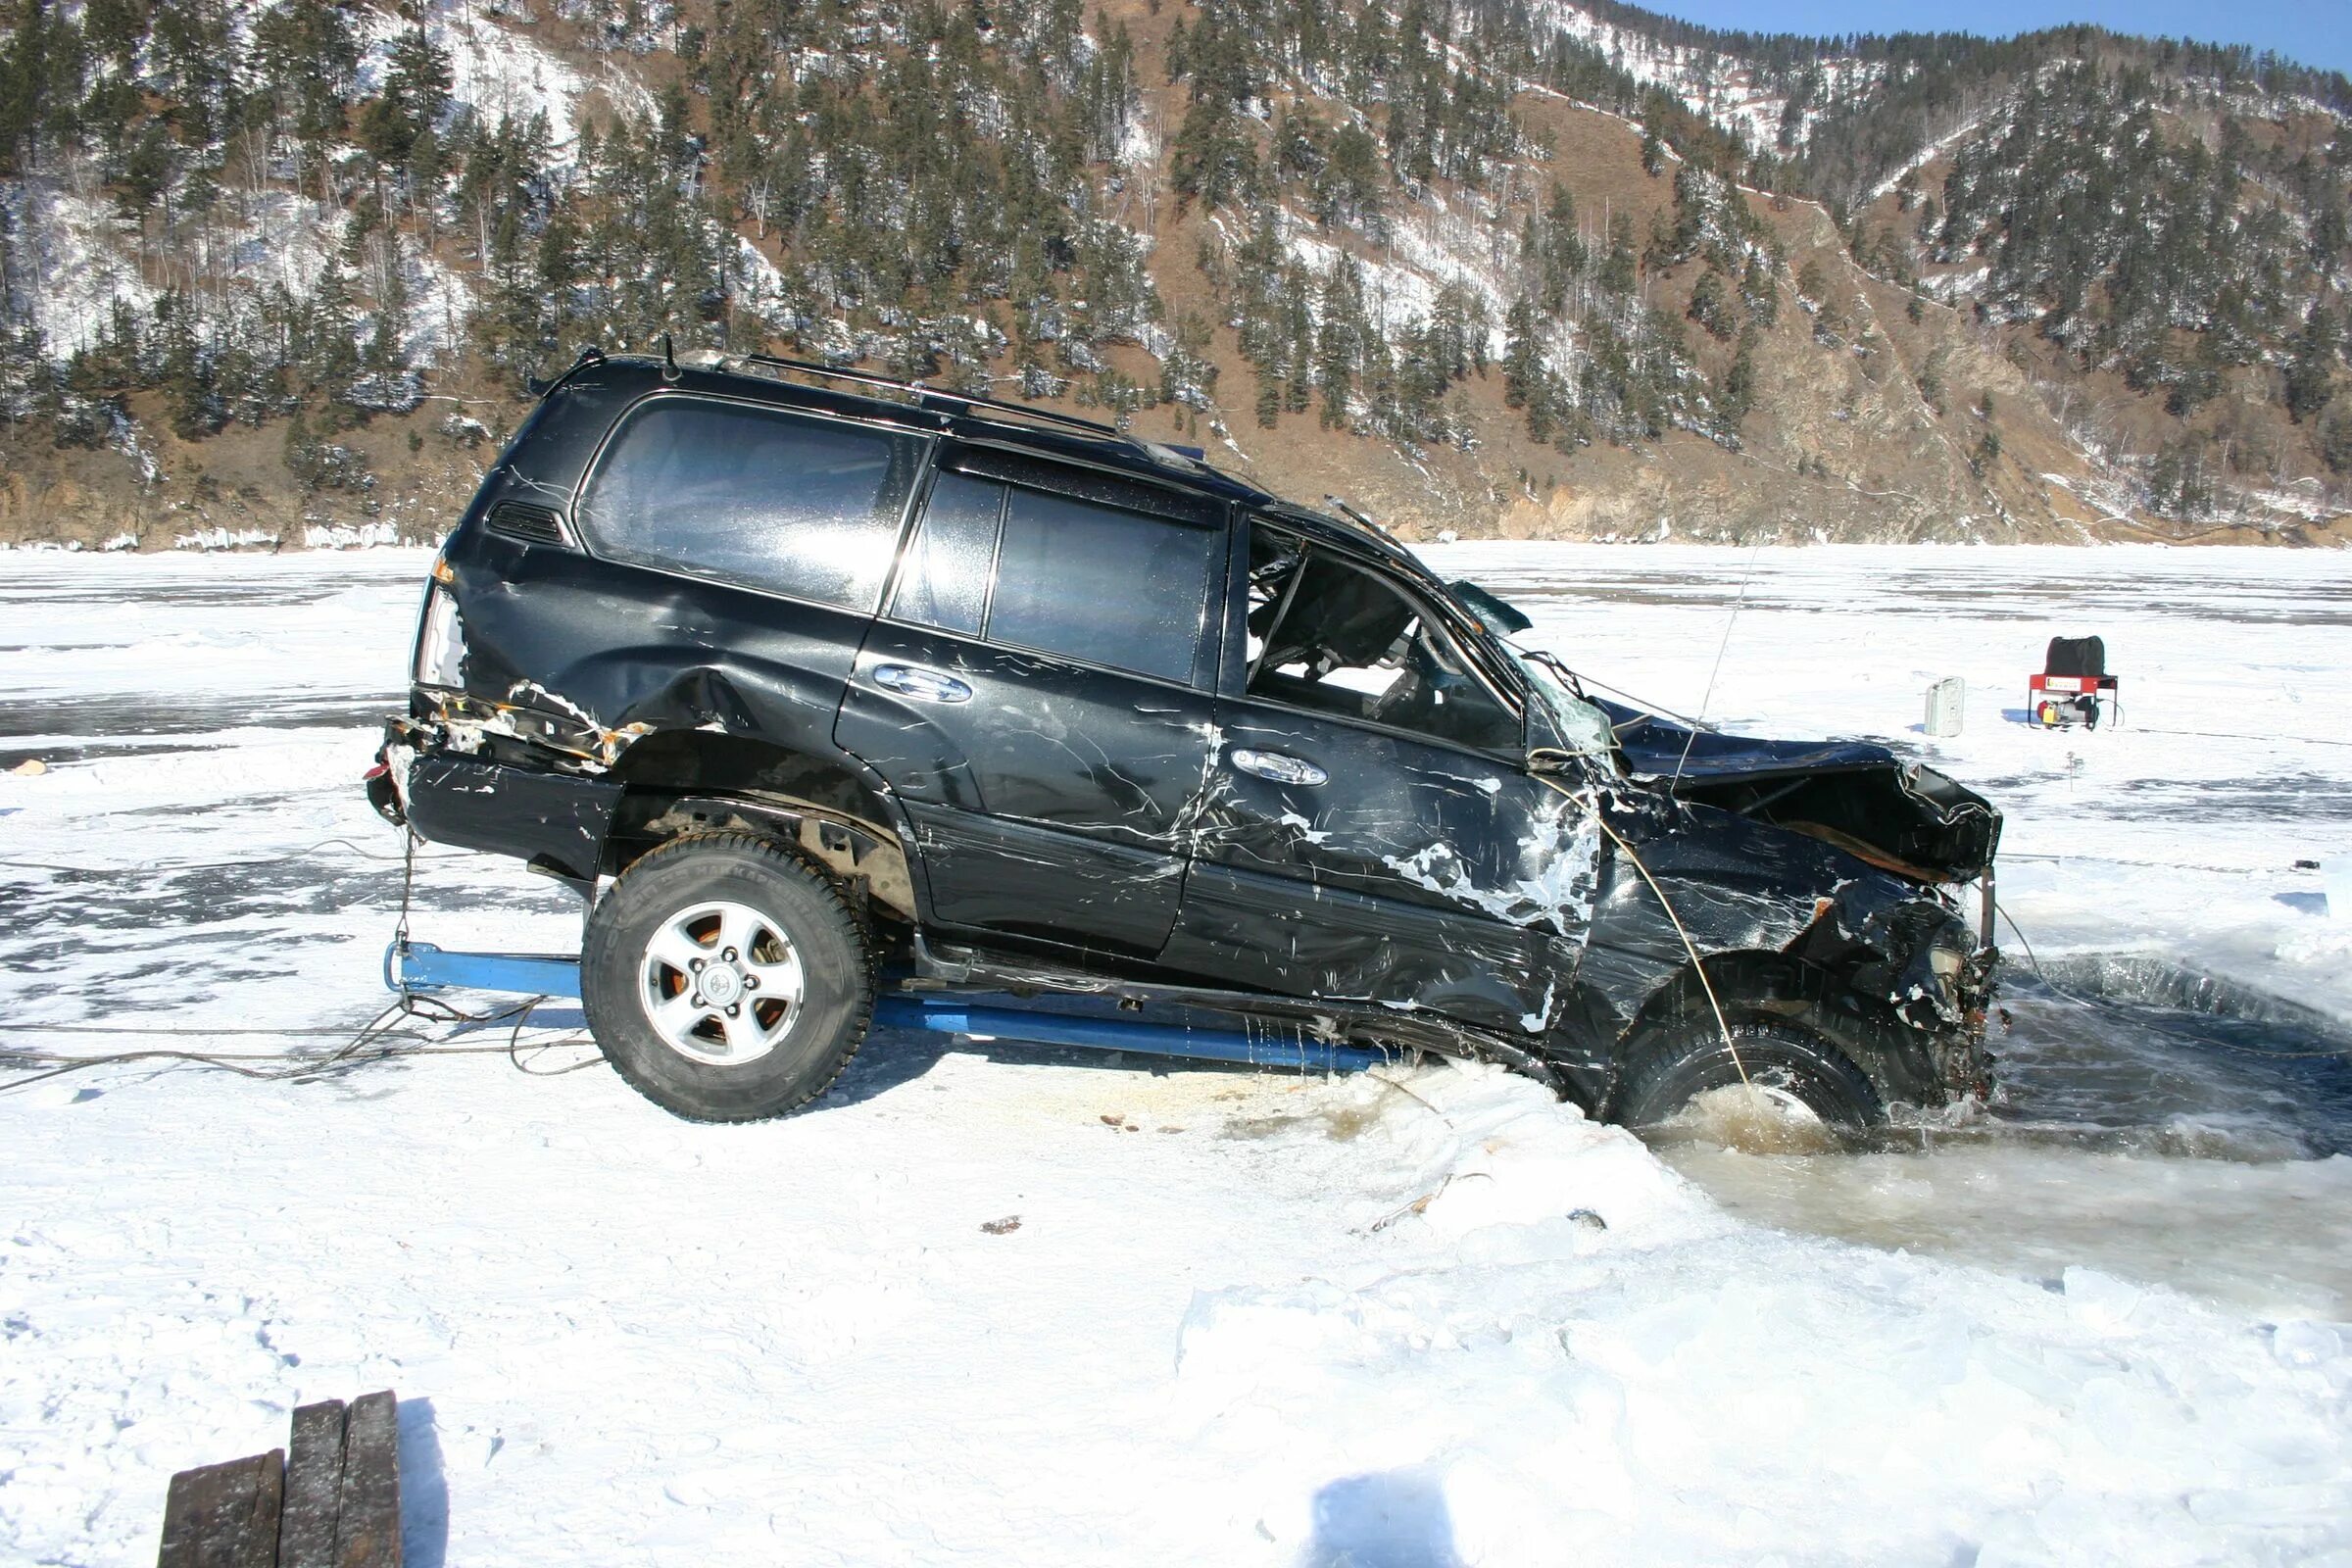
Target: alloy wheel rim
{"x": 721, "y": 982}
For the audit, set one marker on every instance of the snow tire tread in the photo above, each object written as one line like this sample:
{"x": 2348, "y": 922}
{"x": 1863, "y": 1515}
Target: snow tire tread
{"x": 783, "y": 860}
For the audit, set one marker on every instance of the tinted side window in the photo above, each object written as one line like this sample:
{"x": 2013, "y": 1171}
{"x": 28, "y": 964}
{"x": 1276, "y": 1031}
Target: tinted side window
{"x": 762, "y": 497}
{"x": 945, "y": 583}
{"x": 1109, "y": 587}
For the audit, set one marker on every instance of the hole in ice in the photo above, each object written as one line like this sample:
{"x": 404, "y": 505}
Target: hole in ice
{"x": 2136, "y": 1052}
{"x": 2153, "y": 1121}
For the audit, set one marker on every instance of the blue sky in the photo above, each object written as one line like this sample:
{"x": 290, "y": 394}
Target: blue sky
{"x": 2317, "y": 33}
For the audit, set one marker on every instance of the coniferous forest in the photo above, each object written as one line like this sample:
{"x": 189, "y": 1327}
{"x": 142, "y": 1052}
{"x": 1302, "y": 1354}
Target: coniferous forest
{"x": 269, "y": 268}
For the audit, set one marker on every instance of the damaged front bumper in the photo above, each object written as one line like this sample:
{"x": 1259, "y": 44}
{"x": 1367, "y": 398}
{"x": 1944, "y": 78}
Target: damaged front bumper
{"x": 1936, "y": 982}
{"x": 1907, "y": 984}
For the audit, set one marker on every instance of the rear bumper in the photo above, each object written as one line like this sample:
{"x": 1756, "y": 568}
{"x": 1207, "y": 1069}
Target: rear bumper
{"x": 555, "y": 821}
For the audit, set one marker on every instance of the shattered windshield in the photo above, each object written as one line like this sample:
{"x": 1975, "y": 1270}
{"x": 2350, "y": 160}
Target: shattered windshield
{"x": 1582, "y": 727}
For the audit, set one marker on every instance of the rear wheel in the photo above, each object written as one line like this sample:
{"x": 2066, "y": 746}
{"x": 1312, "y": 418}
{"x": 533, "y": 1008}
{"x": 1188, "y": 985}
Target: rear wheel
{"x": 725, "y": 979}
{"x": 1780, "y": 1072}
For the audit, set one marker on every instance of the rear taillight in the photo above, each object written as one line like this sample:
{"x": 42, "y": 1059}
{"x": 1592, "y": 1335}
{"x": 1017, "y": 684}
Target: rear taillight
{"x": 440, "y": 641}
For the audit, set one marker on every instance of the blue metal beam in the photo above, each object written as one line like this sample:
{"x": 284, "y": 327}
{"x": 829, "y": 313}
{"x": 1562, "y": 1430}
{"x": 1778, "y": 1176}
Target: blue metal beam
{"x": 421, "y": 966}
{"x": 944, "y": 1014}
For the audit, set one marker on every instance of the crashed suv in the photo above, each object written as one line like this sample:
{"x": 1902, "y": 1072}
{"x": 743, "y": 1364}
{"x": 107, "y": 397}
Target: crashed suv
{"x": 814, "y": 684}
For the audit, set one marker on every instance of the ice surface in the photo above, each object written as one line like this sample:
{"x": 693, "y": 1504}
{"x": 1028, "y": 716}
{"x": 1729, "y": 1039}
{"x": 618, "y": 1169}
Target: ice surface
{"x": 1243, "y": 1320}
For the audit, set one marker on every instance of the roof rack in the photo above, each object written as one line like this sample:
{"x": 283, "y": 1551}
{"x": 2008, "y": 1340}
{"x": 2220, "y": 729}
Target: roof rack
{"x": 930, "y": 396}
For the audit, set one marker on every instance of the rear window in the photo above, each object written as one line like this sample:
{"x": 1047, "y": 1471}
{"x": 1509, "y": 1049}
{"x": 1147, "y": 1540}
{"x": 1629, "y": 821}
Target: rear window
{"x": 1070, "y": 578}
{"x": 772, "y": 500}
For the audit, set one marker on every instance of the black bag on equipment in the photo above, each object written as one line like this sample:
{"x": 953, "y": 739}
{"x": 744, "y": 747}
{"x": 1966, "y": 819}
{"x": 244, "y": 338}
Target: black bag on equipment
{"x": 2077, "y": 656}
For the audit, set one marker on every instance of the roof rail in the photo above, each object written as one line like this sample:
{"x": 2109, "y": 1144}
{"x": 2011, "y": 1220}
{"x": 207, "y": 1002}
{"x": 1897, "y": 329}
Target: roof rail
{"x": 931, "y": 396}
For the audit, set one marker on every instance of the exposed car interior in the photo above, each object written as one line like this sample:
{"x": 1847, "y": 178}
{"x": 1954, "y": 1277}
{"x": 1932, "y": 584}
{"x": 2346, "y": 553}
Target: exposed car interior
{"x": 1328, "y": 636}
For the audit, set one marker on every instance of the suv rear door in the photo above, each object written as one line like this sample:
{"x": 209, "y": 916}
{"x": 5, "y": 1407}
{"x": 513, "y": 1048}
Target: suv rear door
{"x": 1369, "y": 832}
{"x": 1037, "y": 689}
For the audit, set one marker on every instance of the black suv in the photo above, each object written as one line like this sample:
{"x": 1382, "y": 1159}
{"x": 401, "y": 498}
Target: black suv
{"x": 813, "y": 683}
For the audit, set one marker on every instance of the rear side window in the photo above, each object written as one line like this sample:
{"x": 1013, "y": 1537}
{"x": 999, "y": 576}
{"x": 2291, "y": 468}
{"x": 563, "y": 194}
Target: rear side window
{"x": 1070, "y": 577}
{"x": 765, "y": 498}
{"x": 1113, "y": 587}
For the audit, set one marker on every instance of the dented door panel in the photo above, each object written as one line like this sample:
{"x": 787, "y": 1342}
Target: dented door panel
{"x": 1024, "y": 879}
{"x": 1433, "y": 860}
{"x": 1052, "y": 800}
{"x": 623, "y": 651}
{"x": 1249, "y": 928}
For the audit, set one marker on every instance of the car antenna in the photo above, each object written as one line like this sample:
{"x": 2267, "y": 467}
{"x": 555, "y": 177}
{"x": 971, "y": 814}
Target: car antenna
{"x": 1708, "y": 696}
{"x": 669, "y": 360}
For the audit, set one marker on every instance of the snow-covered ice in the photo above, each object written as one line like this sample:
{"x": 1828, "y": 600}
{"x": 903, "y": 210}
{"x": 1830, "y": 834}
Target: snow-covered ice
{"x": 1243, "y": 1318}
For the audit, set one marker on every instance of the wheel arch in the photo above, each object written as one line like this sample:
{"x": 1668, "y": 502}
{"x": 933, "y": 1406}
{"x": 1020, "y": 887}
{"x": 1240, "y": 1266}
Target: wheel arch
{"x": 830, "y": 808}
{"x": 1759, "y": 985}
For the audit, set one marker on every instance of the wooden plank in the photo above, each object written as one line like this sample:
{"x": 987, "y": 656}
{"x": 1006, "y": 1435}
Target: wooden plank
{"x": 225, "y": 1515}
{"x": 306, "y": 1538}
{"x": 367, "y": 1519}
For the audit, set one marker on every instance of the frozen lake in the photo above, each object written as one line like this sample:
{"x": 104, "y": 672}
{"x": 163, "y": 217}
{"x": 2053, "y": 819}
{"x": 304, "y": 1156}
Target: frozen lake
{"x": 2104, "y": 1320}
{"x": 2169, "y": 1103}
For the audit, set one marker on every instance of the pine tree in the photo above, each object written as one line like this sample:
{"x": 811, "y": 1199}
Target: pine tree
{"x": 181, "y": 370}
{"x": 23, "y": 78}
{"x": 2335, "y": 443}
{"x": 1526, "y": 383}
{"x": 416, "y": 85}
{"x": 1618, "y": 272}
{"x": 1985, "y": 454}
{"x": 1213, "y": 155}
{"x": 2310, "y": 374}
{"x": 1711, "y": 306}
{"x": 1339, "y": 341}
{"x": 1738, "y": 393}
{"x": 1759, "y": 290}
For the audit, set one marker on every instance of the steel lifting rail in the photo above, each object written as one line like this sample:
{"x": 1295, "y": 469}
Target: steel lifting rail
{"x": 412, "y": 967}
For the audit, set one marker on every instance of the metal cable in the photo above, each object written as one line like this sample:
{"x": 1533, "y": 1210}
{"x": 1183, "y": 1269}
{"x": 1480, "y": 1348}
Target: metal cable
{"x": 220, "y": 865}
{"x": 377, "y": 1040}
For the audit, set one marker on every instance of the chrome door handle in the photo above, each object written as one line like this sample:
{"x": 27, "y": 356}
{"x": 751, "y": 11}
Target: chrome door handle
{"x": 923, "y": 685}
{"x": 1275, "y": 765}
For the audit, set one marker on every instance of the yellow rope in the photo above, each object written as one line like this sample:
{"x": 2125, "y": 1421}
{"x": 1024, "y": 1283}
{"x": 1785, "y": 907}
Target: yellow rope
{"x": 1700, "y": 969}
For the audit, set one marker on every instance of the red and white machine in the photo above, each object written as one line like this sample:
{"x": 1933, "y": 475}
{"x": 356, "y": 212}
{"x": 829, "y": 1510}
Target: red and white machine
{"x": 2073, "y": 684}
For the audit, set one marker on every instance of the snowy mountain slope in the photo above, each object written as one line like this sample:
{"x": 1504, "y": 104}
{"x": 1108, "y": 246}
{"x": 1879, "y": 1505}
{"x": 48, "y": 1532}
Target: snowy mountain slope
{"x": 352, "y": 215}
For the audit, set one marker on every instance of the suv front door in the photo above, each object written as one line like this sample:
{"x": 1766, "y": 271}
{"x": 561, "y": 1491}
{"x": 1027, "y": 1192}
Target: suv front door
{"x": 1369, "y": 832}
{"x": 1037, "y": 690}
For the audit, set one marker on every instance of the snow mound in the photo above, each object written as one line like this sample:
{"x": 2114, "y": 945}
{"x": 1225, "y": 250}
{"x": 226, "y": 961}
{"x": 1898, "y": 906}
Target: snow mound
{"x": 1508, "y": 1376}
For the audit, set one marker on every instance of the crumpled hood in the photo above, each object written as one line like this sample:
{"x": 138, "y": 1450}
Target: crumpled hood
{"x": 1901, "y": 817}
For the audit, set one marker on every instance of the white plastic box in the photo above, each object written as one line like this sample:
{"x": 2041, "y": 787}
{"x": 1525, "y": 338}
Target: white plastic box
{"x": 1946, "y": 700}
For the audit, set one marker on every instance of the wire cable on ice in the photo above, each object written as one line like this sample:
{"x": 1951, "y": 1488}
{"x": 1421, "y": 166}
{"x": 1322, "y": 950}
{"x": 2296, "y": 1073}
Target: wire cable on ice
{"x": 380, "y": 1039}
{"x": 173, "y": 867}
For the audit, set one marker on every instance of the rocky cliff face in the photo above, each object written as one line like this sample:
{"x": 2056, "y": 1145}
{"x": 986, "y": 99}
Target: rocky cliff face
{"x": 276, "y": 272}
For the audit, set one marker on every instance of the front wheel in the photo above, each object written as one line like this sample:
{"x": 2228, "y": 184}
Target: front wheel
{"x": 725, "y": 979}
{"x": 1791, "y": 1077}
